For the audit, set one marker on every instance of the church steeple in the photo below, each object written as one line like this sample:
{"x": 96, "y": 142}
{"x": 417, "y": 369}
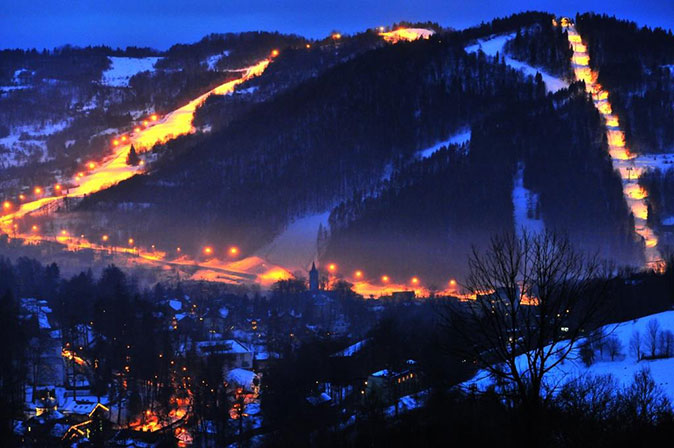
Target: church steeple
{"x": 313, "y": 278}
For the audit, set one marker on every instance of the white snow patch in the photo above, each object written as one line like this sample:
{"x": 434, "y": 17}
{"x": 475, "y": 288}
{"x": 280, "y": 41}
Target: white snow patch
{"x": 525, "y": 205}
{"x": 296, "y": 246}
{"x": 123, "y": 68}
{"x": 459, "y": 138}
{"x": 213, "y": 60}
{"x": 623, "y": 368}
{"x": 495, "y": 45}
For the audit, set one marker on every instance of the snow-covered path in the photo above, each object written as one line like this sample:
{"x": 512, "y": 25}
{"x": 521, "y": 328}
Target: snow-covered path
{"x": 496, "y": 44}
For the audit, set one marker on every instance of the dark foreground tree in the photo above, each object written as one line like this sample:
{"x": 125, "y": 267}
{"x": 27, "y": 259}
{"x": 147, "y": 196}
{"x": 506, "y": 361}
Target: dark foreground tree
{"x": 535, "y": 297}
{"x": 132, "y": 159}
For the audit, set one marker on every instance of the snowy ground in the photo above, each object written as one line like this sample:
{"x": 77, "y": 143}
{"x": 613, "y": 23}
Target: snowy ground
{"x": 123, "y": 68}
{"x": 295, "y": 247}
{"x": 622, "y": 368}
{"x": 495, "y": 45}
{"x": 525, "y": 203}
{"x": 457, "y": 139}
{"x": 32, "y": 147}
{"x": 212, "y": 61}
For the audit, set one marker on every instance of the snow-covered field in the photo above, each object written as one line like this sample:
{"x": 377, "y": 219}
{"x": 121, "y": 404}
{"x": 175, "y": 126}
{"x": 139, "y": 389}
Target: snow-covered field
{"x": 123, "y": 68}
{"x": 32, "y": 147}
{"x": 622, "y": 368}
{"x": 495, "y": 45}
{"x": 295, "y": 247}
{"x": 457, "y": 139}
{"x": 525, "y": 203}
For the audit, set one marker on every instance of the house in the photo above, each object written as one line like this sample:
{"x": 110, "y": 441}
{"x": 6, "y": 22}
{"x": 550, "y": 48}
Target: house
{"x": 236, "y": 354}
{"x": 247, "y": 380}
{"x": 388, "y": 385}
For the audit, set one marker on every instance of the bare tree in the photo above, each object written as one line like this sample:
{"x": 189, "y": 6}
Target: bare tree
{"x": 613, "y": 346}
{"x": 635, "y": 345}
{"x": 652, "y": 332}
{"x": 535, "y": 297}
{"x": 666, "y": 343}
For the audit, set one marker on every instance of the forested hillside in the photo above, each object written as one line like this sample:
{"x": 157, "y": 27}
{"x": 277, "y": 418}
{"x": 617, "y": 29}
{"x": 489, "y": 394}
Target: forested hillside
{"x": 432, "y": 211}
{"x": 309, "y": 147}
{"x": 636, "y": 65}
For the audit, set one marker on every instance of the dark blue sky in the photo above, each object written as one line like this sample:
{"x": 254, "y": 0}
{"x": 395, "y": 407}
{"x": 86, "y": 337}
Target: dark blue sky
{"x": 161, "y": 23}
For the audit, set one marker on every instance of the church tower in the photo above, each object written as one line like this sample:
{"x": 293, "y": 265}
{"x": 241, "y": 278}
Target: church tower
{"x": 313, "y": 278}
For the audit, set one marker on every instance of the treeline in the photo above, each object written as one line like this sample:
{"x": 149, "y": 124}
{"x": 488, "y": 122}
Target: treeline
{"x": 433, "y": 210}
{"x": 309, "y": 147}
{"x": 543, "y": 45}
{"x": 636, "y": 66}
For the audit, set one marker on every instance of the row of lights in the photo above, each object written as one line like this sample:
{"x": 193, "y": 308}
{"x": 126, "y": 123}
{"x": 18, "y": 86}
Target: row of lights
{"x": 146, "y": 123}
{"x": 359, "y": 275}
{"x": 232, "y": 251}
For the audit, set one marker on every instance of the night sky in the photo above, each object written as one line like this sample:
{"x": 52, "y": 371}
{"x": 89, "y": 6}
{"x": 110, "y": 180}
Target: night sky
{"x": 161, "y": 23}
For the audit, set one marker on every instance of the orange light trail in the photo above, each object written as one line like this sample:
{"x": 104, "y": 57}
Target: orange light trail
{"x": 627, "y": 164}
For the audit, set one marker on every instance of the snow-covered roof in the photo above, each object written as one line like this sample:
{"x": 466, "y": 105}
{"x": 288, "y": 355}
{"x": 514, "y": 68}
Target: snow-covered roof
{"x": 350, "y": 350}
{"x": 175, "y": 304}
{"x": 241, "y": 377}
{"x": 226, "y": 346}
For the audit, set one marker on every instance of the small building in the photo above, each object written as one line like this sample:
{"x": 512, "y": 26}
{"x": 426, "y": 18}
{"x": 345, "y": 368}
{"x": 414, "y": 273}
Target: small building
{"x": 389, "y": 385}
{"x": 235, "y": 353}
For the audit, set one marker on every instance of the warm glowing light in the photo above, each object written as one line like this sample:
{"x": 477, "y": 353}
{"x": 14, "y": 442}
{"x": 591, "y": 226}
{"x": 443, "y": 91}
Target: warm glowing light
{"x": 136, "y": 129}
{"x": 105, "y": 238}
{"x": 91, "y": 165}
{"x": 405, "y": 34}
{"x": 208, "y": 250}
{"x": 131, "y": 241}
{"x": 145, "y": 123}
{"x": 359, "y": 274}
{"x": 574, "y": 38}
{"x": 124, "y": 138}
{"x": 452, "y": 283}
{"x": 115, "y": 142}
{"x": 612, "y": 121}
{"x": 22, "y": 197}
{"x": 178, "y": 249}
{"x": 308, "y": 45}
{"x": 385, "y": 278}
{"x": 6, "y": 205}
{"x": 34, "y": 228}
{"x": 154, "y": 117}
{"x": 38, "y": 190}
{"x": 274, "y": 53}
{"x": 64, "y": 232}
{"x": 332, "y": 267}
{"x": 57, "y": 187}
{"x": 233, "y": 250}
{"x": 415, "y": 281}
{"x": 336, "y": 36}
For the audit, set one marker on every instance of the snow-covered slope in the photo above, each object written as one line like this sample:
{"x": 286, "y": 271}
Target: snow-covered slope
{"x": 457, "y": 139}
{"x": 123, "y": 68}
{"x": 625, "y": 364}
{"x": 495, "y": 45}
{"x": 525, "y": 206}
{"x": 296, "y": 247}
